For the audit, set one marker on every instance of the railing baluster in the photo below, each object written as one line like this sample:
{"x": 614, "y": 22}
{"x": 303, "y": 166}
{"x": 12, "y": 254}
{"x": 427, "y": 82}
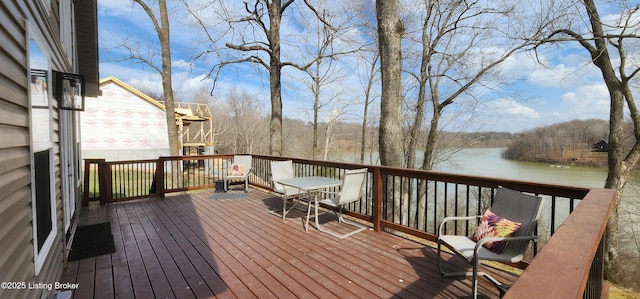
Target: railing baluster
{"x": 553, "y": 214}
{"x": 435, "y": 207}
{"x": 455, "y": 206}
{"x": 467, "y": 203}
{"x": 426, "y": 205}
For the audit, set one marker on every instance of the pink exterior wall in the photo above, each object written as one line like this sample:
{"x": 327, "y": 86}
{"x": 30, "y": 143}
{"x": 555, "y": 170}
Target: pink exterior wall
{"x": 120, "y": 124}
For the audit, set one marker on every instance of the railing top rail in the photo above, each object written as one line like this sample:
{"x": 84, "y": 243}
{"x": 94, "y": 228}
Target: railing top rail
{"x": 484, "y": 181}
{"x": 130, "y": 162}
{"x": 201, "y": 157}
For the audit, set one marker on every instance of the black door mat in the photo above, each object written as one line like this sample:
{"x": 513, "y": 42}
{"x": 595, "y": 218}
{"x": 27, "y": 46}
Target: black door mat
{"x": 92, "y": 240}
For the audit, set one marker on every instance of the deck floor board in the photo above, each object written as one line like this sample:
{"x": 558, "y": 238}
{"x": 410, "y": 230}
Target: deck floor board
{"x": 195, "y": 246}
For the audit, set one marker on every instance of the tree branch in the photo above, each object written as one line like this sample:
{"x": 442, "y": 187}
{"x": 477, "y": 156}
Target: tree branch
{"x": 247, "y": 48}
{"x": 151, "y": 15}
{"x": 320, "y": 17}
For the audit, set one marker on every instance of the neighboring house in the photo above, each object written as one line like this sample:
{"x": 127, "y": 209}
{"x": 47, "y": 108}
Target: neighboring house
{"x": 123, "y": 124}
{"x": 600, "y": 146}
{"x": 48, "y": 62}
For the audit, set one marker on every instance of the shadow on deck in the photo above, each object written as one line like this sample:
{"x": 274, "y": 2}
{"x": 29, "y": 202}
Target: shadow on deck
{"x": 199, "y": 245}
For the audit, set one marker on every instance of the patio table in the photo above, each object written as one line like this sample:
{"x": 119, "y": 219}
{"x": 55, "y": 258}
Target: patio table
{"x": 312, "y": 184}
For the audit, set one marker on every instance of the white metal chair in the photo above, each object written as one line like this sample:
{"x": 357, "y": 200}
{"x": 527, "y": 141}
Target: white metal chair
{"x": 281, "y": 170}
{"x": 510, "y": 205}
{"x": 352, "y": 190}
{"x": 238, "y": 171}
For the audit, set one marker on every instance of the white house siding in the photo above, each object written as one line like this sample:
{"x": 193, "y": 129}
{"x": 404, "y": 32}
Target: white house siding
{"x": 122, "y": 125}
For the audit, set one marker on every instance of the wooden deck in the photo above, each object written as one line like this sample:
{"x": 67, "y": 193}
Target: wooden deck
{"x": 195, "y": 246}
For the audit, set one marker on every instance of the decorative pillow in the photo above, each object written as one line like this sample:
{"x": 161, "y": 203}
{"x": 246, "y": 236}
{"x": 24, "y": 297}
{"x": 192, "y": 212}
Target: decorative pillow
{"x": 236, "y": 170}
{"x": 493, "y": 225}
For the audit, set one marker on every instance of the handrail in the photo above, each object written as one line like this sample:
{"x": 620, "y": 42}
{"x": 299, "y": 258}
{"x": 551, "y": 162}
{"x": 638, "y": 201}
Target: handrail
{"x": 570, "y": 264}
{"x": 412, "y": 202}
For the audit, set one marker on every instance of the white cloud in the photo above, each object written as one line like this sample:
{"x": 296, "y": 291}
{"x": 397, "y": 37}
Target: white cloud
{"x": 508, "y": 108}
{"x": 116, "y": 7}
{"x": 590, "y": 101}
{"x": 123, "y": 71}
{"x": 181, "y": 64}
{"x": 505, "y": 115}
{"x": 562, "y": 67}
{"x": 185, "y": 85}
{"x": 556, "y": 76}
{"x": 147, "y": 83}
{"x": 518, "y": 66}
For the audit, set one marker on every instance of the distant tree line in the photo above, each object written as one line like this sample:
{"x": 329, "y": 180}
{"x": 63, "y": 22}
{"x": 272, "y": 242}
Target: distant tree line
{"x": 241, "y": 126}
{"x": 563, "y": 143}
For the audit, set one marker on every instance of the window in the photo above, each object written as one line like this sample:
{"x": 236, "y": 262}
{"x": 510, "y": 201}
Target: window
{"x": 67, "y": 25}
{"x": 43, "y": 204}
{"x": 45, "y": 222}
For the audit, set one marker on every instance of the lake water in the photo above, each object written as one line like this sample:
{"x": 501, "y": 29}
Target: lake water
{"x": 489, "y": 162}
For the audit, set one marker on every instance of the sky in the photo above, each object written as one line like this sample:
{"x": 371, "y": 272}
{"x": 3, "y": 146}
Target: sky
{"x": 567, "y": 88}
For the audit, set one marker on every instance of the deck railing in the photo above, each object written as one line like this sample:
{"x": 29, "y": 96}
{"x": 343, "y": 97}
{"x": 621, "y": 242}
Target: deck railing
{"x": 128, "y": 180}
{"x": 401, "y": 201}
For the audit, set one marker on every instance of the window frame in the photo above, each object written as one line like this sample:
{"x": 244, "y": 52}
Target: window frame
{"x": 38, "y": 146}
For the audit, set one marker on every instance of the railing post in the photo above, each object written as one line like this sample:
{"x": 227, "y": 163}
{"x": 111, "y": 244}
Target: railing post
{"x": 377, "y": 198}
{"x": 104, "y": 183}
{"x": 160, "y": 177}
{"x": 88, "y": 163}
{"x": 85, "y": 179}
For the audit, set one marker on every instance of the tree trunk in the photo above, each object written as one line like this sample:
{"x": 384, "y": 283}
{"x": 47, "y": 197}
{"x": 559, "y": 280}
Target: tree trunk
{"x": 275, "y": 74}
{"x": 420, "y": 101}
{"x": 328, "y": 136}
{"x": 167, "y": 85}
{"x": 616, "y": 177}
{"x": 316, "y": 108}
{"x": 416, "y": 129}
{"x": 390, "y": 139}
{"x": 430, "y": 148}
{"x": 390, "y": 30}
{"x": 367, "y": 96}
{"x": 414, "y": 137}
{"x": 618, "y": 168}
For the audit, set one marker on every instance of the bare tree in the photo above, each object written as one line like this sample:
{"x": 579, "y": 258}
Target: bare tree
{"x": 337, "y": 114}
{"x": 248, "y": 131}
{"x": 390, "y": 30}
{"x": 255, "y": 38}
{"x": 618, "y": 72}
{"x": 221, "y": 122}
{"x": 325, "y": 72}
{"x": 274, "y": 11}
{"x": 460, "y": 45}
{"x": 368, "y": 73}
{"x": 161, "y": 26}
{"x": 370, "y": 79}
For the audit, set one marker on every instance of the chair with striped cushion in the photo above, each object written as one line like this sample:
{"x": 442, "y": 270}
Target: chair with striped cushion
{"x": 510, "y": 209}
